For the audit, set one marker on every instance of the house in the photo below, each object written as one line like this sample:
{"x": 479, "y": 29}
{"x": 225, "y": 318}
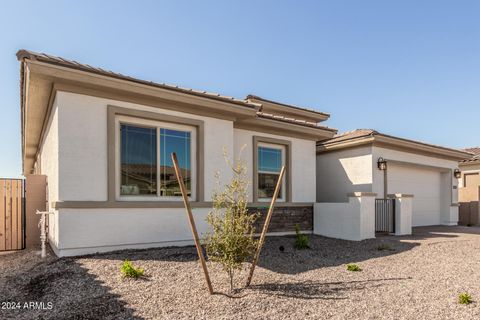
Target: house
{"x": 103, "y": 140}
{"x": 469, "y": 188}
{"x": 366, "y": 163}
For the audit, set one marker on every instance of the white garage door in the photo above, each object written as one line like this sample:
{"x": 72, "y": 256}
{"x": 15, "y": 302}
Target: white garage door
{"x": 425, "y": 185}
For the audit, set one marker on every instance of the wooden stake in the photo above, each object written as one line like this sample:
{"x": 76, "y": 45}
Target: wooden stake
{"x": 192, "y": 222}
{"x": 265, "y": 226}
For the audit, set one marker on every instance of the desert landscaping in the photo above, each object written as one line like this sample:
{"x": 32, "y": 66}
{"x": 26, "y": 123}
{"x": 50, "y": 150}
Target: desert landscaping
{"x": 411, "y": 277}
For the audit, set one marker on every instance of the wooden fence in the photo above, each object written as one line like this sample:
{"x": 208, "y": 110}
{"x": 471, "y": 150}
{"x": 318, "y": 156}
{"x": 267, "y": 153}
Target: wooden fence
{"x": 12, "y": 214}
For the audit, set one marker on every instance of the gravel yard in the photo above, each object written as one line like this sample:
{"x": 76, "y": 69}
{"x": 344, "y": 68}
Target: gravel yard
{"x": 417, "y": 277}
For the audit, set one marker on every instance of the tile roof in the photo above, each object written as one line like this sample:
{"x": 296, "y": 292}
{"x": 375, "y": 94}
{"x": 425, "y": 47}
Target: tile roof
{"x": 476, "y": 155}
{"x": 252, "y": 96}
{"x": 363, "y": 133}
{"x": 293, "y": 120}
{"x": 43, "y": 57}
{"x": 358, "y": 133}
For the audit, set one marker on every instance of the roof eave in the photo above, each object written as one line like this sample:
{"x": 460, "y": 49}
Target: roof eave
{"x": 278, "y": 107}
{"x": 382, "y": 140}
{"x": 23, "y": 55}
{"x": 283, "y": 128}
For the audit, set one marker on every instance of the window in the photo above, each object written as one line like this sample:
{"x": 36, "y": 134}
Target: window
{"x": 471, "y": 180}
{"x": 270, "y": 158}
{"x": 178, "y": 142}
{"x": 138, "y": 160}
{"x": 146, "y": 167}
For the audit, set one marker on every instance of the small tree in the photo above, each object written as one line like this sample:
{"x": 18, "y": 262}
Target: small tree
{"x": 231, "y": 241}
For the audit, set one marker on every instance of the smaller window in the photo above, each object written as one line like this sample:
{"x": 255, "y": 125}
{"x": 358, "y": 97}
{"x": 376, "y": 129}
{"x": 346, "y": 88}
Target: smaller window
{"x": 270, "y": 161}
{"x": 178, "y": 142}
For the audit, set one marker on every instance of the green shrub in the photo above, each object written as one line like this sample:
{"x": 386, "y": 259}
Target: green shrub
{"x": 384, "y": 246}
{"x": 464, "y": 298}
{"x": 129, "y": 271}
{"x": 301, "y": 240}
{"x": 353, "y": 267}
{"x": 231, "y": 240}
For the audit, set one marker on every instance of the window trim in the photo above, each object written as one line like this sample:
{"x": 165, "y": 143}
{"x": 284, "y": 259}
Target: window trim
{"x": 157, "y": 125}
{"x": 288, "y": 161}
{"x": 113, "y": 156}
{"x": 283, "y": 150}
{"x": 464, "y": 177}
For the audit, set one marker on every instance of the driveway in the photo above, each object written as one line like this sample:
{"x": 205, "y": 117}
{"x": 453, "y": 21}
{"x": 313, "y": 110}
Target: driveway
{"x": 414, "y": 277}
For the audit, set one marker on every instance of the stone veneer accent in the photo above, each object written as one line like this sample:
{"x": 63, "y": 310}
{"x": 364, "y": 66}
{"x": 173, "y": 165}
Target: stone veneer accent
{"x": 284, "y": 219}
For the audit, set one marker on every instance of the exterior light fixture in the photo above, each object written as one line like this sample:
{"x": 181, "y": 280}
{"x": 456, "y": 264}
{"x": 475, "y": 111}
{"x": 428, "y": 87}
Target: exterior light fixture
{"x": 382, "y": 164}
{"x": 457, "y": 173}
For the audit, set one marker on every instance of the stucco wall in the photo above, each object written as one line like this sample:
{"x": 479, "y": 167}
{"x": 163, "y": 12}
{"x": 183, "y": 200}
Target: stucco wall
{"x": 83, "y": 146}
{"x": 75, "y": 161}
{"x": 447, "y": 183}
{"x": 471, "y": 192}
{"x": 352, "y": 220}
{"x": 47, "y": 164}
{"x": 100, "y": 230}
{"x": 407, "y": 157}
{"x": 49, "y": 155}
{"x": 303, "y": 162}
{"x": 343, "y": 172}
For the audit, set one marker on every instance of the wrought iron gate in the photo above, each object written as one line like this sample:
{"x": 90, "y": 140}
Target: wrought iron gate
{"x": 385, "y": 215}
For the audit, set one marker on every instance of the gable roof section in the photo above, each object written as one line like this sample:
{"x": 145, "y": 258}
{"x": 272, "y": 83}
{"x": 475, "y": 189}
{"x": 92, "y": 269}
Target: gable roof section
{"x": 42, "y": 75}
{"x": 360, "y": 137}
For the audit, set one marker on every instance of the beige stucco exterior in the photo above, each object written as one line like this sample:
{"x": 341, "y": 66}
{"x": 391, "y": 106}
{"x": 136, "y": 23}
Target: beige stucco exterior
{"x": 74, "y": 156}
{"x": 428, "y": 177}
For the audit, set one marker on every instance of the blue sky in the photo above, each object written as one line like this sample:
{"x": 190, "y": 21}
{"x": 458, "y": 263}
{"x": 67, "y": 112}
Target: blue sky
{"x": 406, "y": 68}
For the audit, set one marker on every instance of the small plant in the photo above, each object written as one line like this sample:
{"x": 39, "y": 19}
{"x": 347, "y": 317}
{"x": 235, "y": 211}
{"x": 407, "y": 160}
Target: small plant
{"x": 231, "y": 241}
{"x": 464, "y": 298}
{"x": 301, "y": 240}
{"x": 353, "y": 267}
{"x": 385, "y": 246}
{"x": 129, "y": 271}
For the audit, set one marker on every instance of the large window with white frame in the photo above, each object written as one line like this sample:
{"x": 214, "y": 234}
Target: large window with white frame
{"x": 144, "y": 166}
{"x": 270, "y": 158}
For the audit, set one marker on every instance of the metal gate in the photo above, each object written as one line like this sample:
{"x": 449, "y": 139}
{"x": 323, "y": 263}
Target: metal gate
{"x": 12, "y": 214}
{"x": 385, "y": 215}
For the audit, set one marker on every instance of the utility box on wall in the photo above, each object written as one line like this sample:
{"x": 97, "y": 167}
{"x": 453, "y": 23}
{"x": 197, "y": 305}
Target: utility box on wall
{"x": 36, "y": 199}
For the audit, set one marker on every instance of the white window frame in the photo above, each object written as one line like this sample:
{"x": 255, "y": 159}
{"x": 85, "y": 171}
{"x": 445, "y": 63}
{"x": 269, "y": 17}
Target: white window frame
{"x": 282, "y": 196}
{"x": 120, "y": 119}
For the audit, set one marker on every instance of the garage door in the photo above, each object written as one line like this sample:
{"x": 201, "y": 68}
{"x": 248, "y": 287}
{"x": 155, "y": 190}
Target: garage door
{"x": 425, "y": 185}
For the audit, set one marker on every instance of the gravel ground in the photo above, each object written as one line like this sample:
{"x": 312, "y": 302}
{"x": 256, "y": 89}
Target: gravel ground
{"x": 418, "y": 277}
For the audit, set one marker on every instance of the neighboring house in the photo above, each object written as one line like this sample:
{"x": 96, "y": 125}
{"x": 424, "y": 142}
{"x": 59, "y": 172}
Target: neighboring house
{"x": 383, "y": 166}
{"x": 104, "y": 142}
{"x": 469, "y": 188}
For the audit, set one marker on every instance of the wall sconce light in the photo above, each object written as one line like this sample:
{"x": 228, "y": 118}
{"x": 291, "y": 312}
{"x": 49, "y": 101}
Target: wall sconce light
{"x": 457, "y": 173}
{"x": 382, "y": 164}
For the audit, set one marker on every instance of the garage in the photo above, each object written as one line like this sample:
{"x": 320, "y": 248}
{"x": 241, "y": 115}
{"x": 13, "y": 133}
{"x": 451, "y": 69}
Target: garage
{"x": 416, "y": 181}
{"x": 425, "y": 185}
